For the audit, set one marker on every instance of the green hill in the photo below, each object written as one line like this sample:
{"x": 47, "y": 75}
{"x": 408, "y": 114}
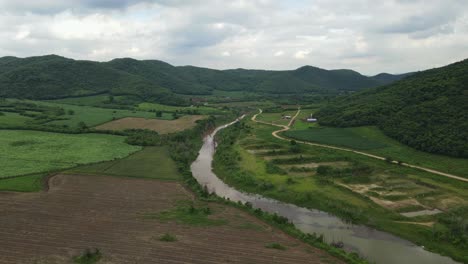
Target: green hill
{"x": 427, "y": 110}
{"x": 51, "y": 76}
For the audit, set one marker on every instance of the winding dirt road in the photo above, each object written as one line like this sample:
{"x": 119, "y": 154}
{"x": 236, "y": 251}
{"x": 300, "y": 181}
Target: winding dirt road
{"x": 285, "y": 128}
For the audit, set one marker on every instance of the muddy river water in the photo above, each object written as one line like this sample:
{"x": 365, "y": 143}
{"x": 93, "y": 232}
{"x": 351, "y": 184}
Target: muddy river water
{"x": 376, "y": 246}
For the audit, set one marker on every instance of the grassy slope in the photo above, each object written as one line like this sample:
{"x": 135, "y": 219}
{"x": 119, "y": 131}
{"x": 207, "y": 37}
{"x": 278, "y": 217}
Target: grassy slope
{"x": 26, "y": 152}
{"x": 372, "y": 140}
{"x": 151, "y": 162}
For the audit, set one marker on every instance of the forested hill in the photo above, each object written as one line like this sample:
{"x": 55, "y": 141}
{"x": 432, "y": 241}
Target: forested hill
{"x": 53, "y": 76}
{"x": 428, "y": 110}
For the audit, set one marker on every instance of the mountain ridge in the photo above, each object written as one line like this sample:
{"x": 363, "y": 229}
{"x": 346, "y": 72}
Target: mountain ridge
{"x": 52, "y": 76}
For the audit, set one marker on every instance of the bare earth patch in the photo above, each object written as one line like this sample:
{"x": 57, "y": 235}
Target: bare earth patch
{"x": 158, "y": 125}
{"x": 104, "y": 212}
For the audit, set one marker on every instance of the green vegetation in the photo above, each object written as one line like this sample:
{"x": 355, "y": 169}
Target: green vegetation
{"x": 88, "y": 257}
{"x": 371, "y": 140}
{"x": 151, "y": 162}
{"x": 278, "y": 118}
{"x": 9, "y": 119}
{"x": 55, "y": 77}
{"x": 355, "y": 188}
{"x": 275, "y": 246}
{"x": 427, "y": 111}
{"x": 191, "y": 110}
{"x": 26, "y": 152}
{"x": 168, "y": 238}
{"x": 186, "y": 212}
{"x": 29, "y": 183}
{"x": 47, "y": 115}
{"x": 337, "y": 137}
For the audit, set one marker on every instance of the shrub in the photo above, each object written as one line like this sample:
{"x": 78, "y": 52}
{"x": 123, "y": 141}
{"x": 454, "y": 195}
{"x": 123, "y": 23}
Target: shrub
{"x": 275, "y": 246}
{"x": 88, "y": 257}
{"x": 167, "y": 238}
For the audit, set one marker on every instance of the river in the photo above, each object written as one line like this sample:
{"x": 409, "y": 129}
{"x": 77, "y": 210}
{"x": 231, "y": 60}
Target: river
{"x": 376, "y": 246}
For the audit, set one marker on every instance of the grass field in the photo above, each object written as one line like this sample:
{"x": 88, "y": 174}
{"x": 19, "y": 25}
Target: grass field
{"x": 276, "y": 118}
{"x": 160, "y": 126}
{"x": 372, "y": 140}
{"x": 26, "y": 152}
{"x": 30, "y": 183}
{"x": 13, "y": 119}
{"x": 301, "y": 123}
{"x": 151, "y": 162}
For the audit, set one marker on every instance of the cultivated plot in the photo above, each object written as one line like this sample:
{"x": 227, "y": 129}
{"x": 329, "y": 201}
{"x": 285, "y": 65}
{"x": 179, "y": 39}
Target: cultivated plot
{"x": 160, "y": 126}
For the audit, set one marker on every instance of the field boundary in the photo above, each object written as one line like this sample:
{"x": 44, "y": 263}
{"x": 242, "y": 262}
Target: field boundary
{"x": 285, "y": 128}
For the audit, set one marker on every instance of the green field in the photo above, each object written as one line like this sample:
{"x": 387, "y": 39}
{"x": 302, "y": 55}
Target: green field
{"x": 29, "y": 183}
{"x": 9, "y": 119}
{"x": 151, "y": 162}
{"x": 336, "y": 136}
{"x": 370, "y": 139}
{"x": 276, "y": 118}
{"x": 27, "y": 152}
{"x": 93, "y": 116}
{"x": 301, "y": 123}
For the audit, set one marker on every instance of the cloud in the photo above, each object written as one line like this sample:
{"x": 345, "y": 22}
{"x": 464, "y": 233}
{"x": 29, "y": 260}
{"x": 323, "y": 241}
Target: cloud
{"x": 301, "y": 54}
{"x": 393, "y": 36}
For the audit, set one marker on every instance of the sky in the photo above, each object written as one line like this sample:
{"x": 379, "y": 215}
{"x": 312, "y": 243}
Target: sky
{"x": 369, "y": 36}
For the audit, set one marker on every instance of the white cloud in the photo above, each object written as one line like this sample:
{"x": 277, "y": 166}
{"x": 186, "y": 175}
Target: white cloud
{"x": 301, "y": 54}
{"x": 393, "y": 36}
{"x": 279, "y": 53}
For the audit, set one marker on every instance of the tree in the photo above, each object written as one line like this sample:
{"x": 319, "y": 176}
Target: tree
{"x": 71, "y": 112}
{"x": 111, "y": 99}
{"x": 82, "y": 125}
{"x": 158, "y": 113}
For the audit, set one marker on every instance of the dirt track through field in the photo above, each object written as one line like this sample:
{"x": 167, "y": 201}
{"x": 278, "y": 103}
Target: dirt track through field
{"x": 79, "y": 212}
{"x": 285, "y": 128}
{"x": 158, "y": 125}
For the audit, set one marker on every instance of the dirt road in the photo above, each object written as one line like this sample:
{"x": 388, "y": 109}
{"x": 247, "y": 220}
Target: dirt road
{"x": 285, "y": 128}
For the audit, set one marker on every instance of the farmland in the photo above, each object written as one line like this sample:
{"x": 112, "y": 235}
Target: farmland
{"x": 353, "y": 187}
{"x": 67, "y": 115}
{"x": 83, "y": 212}
{"x": 372, "y": 140}
{"x": 160, "y": 126}
{"x": 140, "y": 164}
{"x": 26, "y": 152}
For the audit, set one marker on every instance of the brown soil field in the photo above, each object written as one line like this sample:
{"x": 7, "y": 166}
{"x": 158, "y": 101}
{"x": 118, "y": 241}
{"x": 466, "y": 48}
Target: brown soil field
{"x": 79, "y": 212}
{"x": 158, "y": 125}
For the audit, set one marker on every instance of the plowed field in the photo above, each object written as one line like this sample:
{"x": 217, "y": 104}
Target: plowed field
{"x": 158, "y": 125}
{"x": 79, "y": 212}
